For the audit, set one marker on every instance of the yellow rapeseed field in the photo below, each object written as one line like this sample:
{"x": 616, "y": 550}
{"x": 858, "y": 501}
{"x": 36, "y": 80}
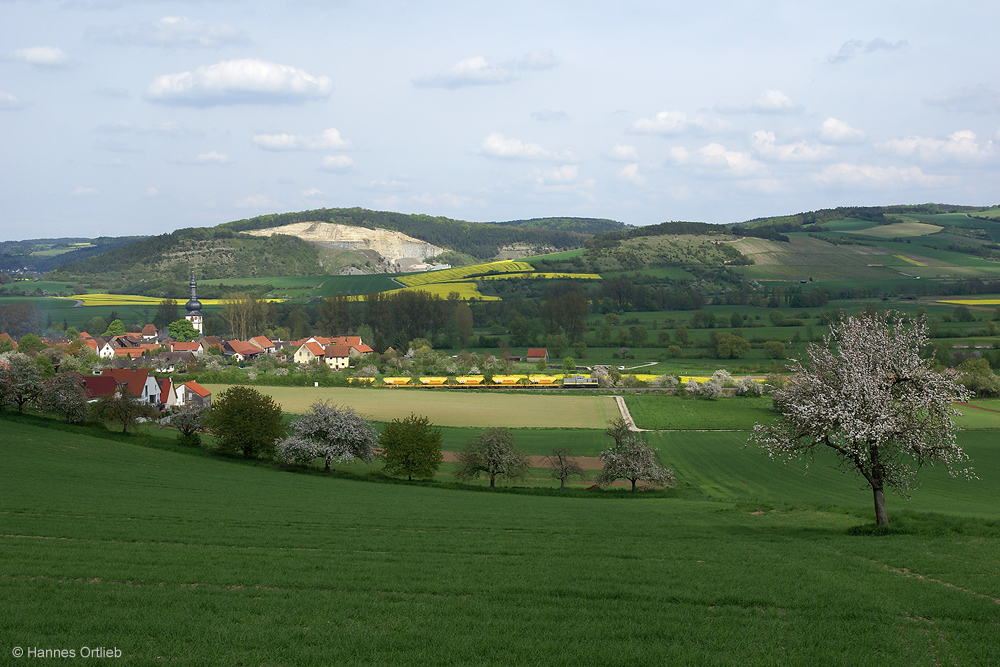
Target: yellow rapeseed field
{"x": 135, "y": 300}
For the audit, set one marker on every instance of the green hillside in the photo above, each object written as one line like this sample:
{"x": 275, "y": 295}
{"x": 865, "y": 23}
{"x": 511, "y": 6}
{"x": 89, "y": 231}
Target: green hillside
{"x": 157, "y": 265}
{"x": 196, "y": 560}
{"x": 578, "y": 225}
{"x": 480, "y": 240}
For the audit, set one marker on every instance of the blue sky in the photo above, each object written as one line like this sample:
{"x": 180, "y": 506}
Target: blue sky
{"x": 143, "y": 117}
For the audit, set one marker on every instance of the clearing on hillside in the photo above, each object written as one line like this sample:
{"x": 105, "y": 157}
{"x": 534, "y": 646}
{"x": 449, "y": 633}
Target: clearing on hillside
{"x": 804, "y": 257}
{"x": 898, "y": 230}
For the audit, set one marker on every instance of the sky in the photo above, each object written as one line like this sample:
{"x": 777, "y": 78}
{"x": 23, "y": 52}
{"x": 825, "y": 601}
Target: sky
{"x": 141, "y": 117}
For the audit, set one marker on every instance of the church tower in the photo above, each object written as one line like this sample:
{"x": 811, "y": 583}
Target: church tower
{"x": 194, "y": 308}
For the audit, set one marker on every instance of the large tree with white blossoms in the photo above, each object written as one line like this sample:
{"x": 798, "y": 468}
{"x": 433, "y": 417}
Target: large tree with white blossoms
{"x": 866, "y": 394}
{"x": 328, "y": 432}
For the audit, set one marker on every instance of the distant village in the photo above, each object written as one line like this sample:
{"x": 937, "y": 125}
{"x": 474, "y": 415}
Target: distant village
{"x": 162, "y": 356}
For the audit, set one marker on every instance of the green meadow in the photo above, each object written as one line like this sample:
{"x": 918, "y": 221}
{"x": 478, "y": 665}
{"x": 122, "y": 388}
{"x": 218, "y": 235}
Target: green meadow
{"x": 175, "y": 555}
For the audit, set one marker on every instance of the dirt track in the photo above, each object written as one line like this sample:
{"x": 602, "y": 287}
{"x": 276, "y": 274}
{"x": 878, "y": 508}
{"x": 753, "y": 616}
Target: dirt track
{"x": 586, "y": 462}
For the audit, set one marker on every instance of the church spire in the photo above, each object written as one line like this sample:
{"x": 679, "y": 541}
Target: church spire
{"x": 194, "y": 308}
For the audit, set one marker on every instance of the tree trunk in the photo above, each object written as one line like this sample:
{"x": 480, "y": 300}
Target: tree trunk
{"x": 881, "y": 517}
{"x": 562, "y": 483}
{"x": 492, "y": 479}
{"x": 633, "y": 485}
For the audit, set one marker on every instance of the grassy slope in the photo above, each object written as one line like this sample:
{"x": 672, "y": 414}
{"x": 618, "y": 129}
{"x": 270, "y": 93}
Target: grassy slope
{"x": 196, "y": 560}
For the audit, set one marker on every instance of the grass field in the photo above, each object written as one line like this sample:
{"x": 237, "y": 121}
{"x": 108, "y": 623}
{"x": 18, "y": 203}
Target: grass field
{"x": 663, "y": 412}
{"x": 188, "y": 559}
{"x": 454, "y": 408}
{"x": 899, "y": 229}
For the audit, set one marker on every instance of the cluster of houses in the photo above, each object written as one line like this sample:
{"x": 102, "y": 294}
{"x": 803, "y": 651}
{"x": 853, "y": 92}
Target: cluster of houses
{"x": 140, "y": 384}
{"x": 164, "y": 353}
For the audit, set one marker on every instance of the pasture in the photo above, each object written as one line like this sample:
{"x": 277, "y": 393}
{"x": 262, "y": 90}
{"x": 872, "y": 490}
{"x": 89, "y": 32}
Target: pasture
{"x": 186, "y": 559}
{"x": 454, "y": 407}
{"x": 898, "y": 230}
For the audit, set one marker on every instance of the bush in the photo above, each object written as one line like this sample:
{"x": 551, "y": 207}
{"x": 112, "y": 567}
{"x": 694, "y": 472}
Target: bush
{"x": 245, "y": 421}
{"x": 189, "y": 440}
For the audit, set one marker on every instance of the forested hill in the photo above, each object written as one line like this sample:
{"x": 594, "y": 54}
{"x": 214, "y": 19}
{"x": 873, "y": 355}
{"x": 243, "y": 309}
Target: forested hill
{"x": 167, "y": 259}
{"x": 478, "y": 239}
{"x": 876, "y": 214}
{"x": 43, "y": 255}
{"x": 580, "y": 225}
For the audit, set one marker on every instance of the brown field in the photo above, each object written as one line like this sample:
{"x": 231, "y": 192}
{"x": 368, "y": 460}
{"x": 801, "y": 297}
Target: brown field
{"x": 454, "y": 408}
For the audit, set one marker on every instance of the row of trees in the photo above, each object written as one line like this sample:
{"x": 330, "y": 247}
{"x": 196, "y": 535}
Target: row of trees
{"x": 248, "y": 423}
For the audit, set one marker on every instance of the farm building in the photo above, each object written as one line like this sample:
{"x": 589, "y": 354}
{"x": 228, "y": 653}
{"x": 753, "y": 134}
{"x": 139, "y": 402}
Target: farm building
{"x": 536, "y": 354}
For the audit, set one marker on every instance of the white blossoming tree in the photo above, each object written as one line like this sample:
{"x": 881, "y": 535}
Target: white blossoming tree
{"x": 632, "y": 459}
{"x": 328, "y": 432}
{"x": 868, "y": 396}
{"x": 493, "y": 453}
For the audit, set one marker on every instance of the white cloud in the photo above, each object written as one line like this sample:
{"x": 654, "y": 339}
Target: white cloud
{"x": 237, "y": 82}
{"x": 774, "y": 101}
{"x": 256, "y": 201}
{"x": 623, "y": 153}
{"x": 676, "y": 122}
{"x": 630, "y": 173}
{"x": 497, "y": 145}
{"x": 475, "y": 71}
{"x": 765, "y": 146}
{"x": 769, "y": 102}
{"x": 716, "y": 157}
{"x": 858, "y": 47}
{"x": 8, "y": 101}
{"x": 83, "y": 191}
{"x": 311, "y": 192}
{"x": 834, "y": 131}
{"x": 478, "y": 71}
{"x": 213, "y": 157}
{"x": 173, "y": 31}
{"x": 337, "y": 163}
{"x": 960, "y": 146}
{"x": 874, "y": 177}
{"x": 567, "y": 173}
{"x": 41, "y": 56}
{"x": 328, "y": 140}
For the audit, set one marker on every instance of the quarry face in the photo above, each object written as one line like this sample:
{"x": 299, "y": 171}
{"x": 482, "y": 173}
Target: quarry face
{"x": 390, "y": 245}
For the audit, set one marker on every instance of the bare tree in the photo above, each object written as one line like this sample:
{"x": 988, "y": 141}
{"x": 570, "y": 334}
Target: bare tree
{"x": 564, "y": 466}
{"x": 868, "y": 396}
{"x": 245, "y": 314}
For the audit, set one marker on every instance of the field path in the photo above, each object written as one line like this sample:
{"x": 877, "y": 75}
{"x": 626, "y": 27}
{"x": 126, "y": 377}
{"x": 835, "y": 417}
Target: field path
{"x": 453, "y": 408}
{"x": 626, "y": 415}
{"x": 586, "y": 462}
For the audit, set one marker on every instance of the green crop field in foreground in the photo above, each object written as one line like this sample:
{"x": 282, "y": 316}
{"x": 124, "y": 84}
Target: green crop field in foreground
{"x": 453, "y": 408}
{"x": 188, "y": 560}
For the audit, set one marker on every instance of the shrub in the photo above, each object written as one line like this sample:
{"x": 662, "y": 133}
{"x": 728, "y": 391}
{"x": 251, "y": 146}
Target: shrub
{"x": 245, "y": 421}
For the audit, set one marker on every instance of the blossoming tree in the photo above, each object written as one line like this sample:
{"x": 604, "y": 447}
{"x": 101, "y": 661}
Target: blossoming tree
{"x": 868, "y": 396}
